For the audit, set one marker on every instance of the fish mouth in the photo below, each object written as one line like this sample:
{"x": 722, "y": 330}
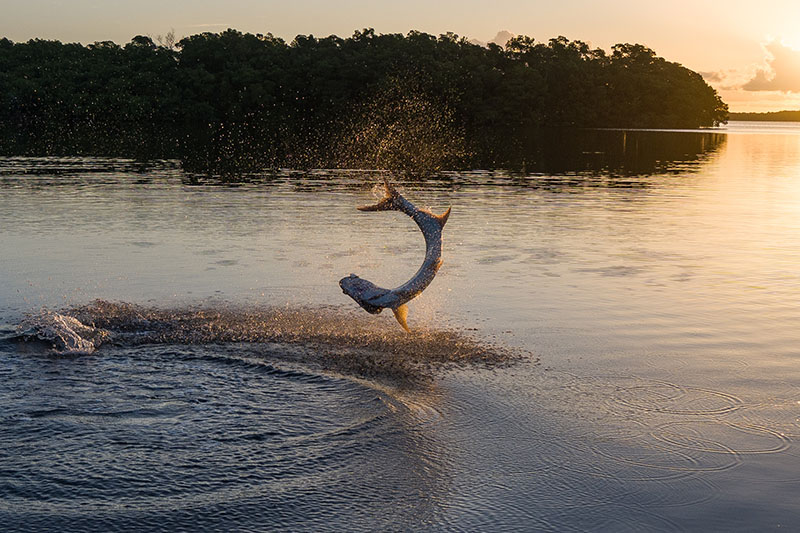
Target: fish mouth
{"x": 361, "y": 290}
{"x": 343, "y": 282}
{"x": 348, "y": 285}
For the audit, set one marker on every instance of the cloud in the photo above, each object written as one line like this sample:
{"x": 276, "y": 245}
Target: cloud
{"x": 728, "y": 80}
{"x": 782, "y": 72}
{"x": 501, "y": 38}
{"x": 714, "y": 77}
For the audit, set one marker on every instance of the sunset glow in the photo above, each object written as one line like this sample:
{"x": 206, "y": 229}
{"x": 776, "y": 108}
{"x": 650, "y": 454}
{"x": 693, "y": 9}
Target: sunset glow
{"x": 230, "y": 301}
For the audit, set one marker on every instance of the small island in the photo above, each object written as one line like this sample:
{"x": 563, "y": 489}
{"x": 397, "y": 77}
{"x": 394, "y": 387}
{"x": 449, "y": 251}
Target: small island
{"x": 370, "y": 100}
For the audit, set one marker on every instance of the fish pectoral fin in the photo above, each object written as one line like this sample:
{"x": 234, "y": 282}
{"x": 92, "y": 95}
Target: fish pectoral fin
{"x": 401, "y": 313}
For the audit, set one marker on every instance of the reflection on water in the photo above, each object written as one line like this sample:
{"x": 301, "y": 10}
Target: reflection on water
{"x": 612, "y": 152}
{"x": 660, "y": 299}
{"x": 563, "y": 152}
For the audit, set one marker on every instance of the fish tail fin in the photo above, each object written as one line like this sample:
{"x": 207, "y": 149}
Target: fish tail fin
{"x": 386, "y": 203}
{"x": 442, "y": 219}
{"x": 401, "y": 313}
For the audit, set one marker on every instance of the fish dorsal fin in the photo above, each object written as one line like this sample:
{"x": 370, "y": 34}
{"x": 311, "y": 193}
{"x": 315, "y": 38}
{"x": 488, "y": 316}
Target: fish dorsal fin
{"x": 401, "y": 313}
{"x": 442, "y": 219}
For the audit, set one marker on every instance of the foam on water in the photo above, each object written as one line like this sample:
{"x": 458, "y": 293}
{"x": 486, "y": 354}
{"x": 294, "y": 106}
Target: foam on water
{"x": 66, "y": 334}
{"x": 326, "y": 337}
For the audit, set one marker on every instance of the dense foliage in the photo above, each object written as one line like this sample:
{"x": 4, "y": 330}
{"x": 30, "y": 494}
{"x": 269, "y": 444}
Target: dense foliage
{"x": 368, "y": 100}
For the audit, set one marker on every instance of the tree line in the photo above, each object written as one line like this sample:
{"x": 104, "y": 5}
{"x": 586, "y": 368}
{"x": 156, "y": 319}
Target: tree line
{"x": 370, "y": 100}
{"x": 771, "y": 116}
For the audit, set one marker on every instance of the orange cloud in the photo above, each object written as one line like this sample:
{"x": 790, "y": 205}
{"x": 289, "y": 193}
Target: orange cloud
{"x": 782, "y": 73}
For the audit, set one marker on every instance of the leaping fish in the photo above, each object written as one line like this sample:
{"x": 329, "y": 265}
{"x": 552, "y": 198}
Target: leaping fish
{"x": 375, "y": 299}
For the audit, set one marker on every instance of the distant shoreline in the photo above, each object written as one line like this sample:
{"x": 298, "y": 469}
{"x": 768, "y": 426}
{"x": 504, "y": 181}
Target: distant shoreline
{"x": 774, "y": 116}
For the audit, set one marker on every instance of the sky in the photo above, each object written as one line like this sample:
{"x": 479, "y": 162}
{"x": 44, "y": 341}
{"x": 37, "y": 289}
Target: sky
{"x": 748, "y": 50}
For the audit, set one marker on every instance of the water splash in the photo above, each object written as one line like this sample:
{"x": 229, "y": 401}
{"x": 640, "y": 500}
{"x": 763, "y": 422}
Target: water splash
{"x": 66, "y": 334}
{"x": 327, "y": 337}
{"x": 403, "y": 129}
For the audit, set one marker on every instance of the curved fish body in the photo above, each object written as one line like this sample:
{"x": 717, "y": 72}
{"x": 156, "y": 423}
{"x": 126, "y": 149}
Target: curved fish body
{"x": 375, "y": 299}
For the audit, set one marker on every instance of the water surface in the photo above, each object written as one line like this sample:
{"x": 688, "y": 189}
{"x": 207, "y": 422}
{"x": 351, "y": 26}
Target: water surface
{"x": 655, "y": 293}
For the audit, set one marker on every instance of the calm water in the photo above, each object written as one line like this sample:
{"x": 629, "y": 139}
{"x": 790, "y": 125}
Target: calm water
{"x": 656, "y": 291}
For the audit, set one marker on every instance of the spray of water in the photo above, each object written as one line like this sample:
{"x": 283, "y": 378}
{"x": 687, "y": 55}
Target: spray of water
{"x": 325, "y": 337}
{"x": 403, "y": 129}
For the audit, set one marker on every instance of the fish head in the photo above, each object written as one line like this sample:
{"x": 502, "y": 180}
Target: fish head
{"x": 362, "y": 291}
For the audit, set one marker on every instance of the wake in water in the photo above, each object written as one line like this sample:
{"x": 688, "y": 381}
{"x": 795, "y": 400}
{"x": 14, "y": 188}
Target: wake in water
{"x": 325, "y": 337}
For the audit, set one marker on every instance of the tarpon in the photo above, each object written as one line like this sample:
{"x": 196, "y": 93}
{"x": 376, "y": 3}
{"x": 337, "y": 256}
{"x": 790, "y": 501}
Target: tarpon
{"x": 375, "y": 299}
